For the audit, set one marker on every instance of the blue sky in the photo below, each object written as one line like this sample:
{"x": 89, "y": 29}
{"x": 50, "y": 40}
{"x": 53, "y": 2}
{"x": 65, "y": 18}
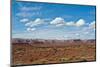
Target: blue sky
{"x": 37, "y": 20}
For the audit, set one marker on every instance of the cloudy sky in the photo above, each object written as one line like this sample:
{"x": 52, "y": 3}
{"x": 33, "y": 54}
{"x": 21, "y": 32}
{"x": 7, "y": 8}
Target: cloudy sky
{"x": 52, "y": 21}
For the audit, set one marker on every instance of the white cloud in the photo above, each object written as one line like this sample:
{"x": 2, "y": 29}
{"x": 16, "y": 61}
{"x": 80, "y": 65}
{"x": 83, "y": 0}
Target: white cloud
{"x": 92, "y": 25}
{"x": 77, "y": 34}
{"x": 71, "y": 23}
{"x": 24, "y": 20}
{"x": 31, "y": 29}
{"x": 57, "y": 20}
{"x": 86, "y": 32}
{"x": 28, "y": 24}
{"x": 23, "y": 14}
{"x": 59, "y": 25}
{"x": 30, "y": 8}
{"x": 80, "y": 22}
{"x": 36, "y": 22}
{"x": 28, "y": 29}
{"x": 26, "y": 11}
{"x": 28, "y": 14}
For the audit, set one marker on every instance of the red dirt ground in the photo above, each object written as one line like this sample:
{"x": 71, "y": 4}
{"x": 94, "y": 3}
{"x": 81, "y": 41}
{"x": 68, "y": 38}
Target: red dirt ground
{"x": 44, "y": 53}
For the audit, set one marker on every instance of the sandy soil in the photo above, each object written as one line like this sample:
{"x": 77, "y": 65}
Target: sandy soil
{"x": 44, "y": 53}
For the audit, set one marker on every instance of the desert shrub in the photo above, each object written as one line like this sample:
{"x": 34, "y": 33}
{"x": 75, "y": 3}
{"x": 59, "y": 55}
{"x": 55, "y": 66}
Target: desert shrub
{"x": 20, "y": 49}
{"x": 64, "y": 59}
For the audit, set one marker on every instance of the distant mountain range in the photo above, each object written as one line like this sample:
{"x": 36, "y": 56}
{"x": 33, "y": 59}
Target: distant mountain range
{"x": 42, "y": 41}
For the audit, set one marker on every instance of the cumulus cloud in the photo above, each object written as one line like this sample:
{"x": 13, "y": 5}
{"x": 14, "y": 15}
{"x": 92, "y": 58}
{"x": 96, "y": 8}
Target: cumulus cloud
{"x": 36, "y": 22}
{"x": 80, "y": 22}
{"x": 71, "y": 23}
{"x": 31, "y": 25}
{"x": 31, "y": 29}
{"x": 92, "y": 25}
{"x": 57, "y": 20}
{"x": 28, "y": 24}
{"x": 24, "y": 20}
